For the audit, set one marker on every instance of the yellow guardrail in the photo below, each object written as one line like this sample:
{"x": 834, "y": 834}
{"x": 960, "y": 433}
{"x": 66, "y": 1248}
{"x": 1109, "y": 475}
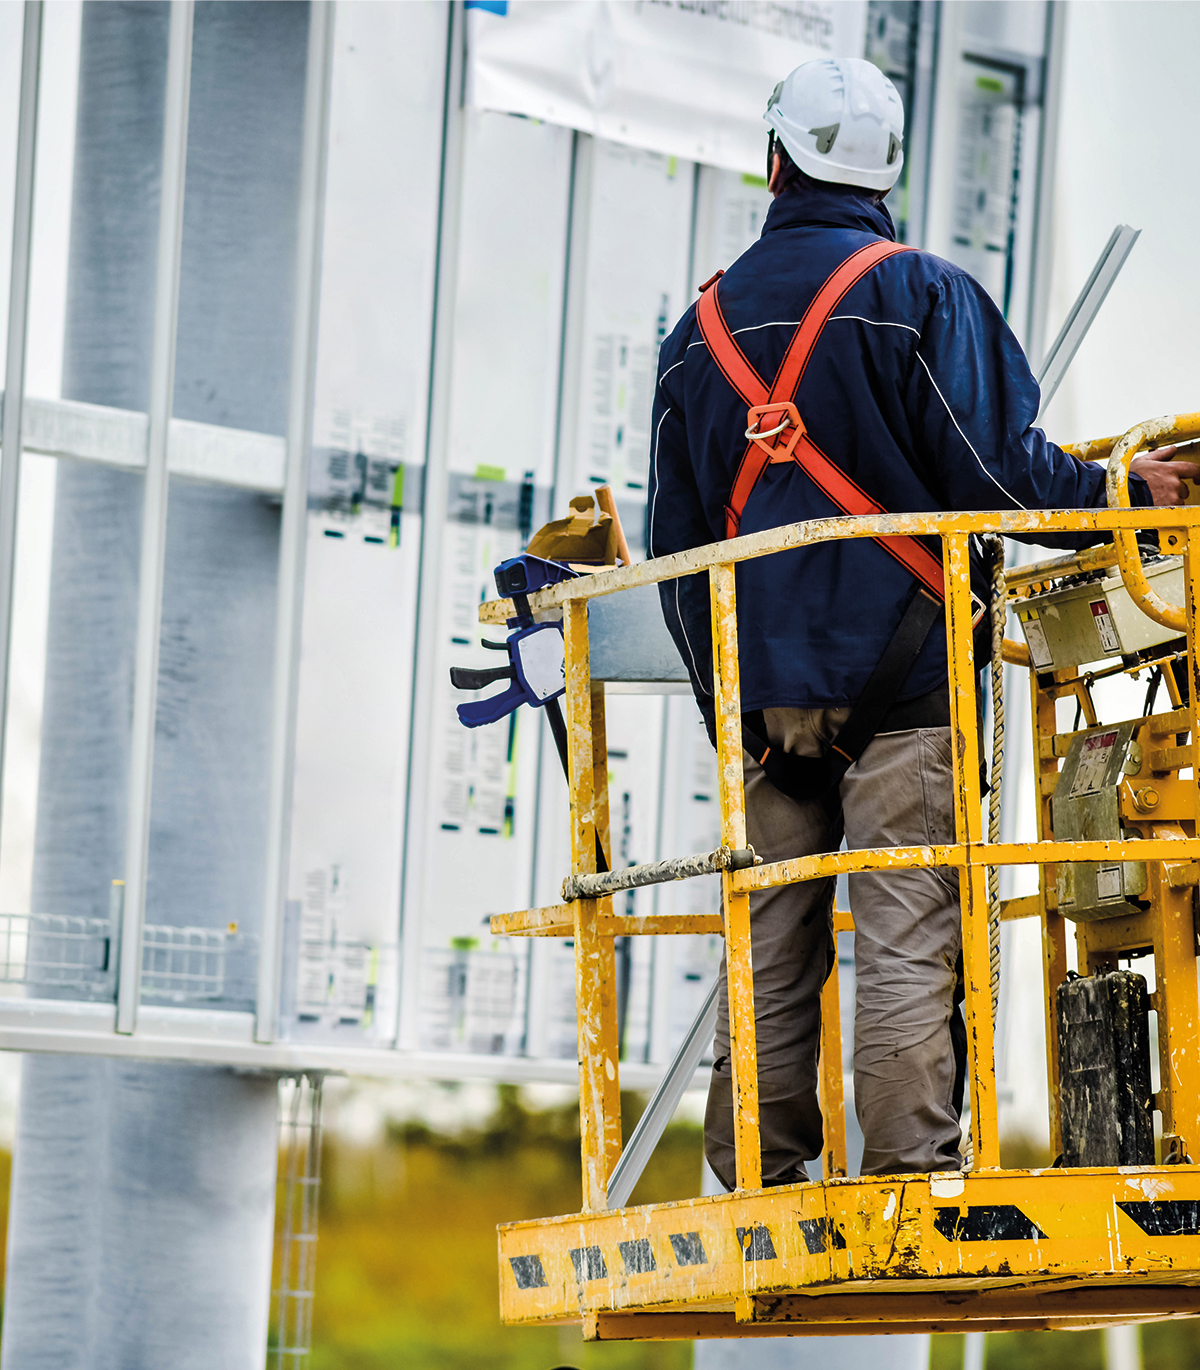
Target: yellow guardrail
{"x": 1141, "y": 438}
{"x": 590, "y": 920}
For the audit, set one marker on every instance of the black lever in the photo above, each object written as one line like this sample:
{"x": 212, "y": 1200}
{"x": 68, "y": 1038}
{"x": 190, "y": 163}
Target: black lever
{"x": 470, "y": 678}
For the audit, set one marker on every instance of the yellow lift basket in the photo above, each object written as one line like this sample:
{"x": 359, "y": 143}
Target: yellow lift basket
{"x": 988, "y": 1249}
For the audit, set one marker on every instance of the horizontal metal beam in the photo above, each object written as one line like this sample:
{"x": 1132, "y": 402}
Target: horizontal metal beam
{"x": 961, "y": 855}
{"x": 814, "y": 531}
{"x": 871, "y": 1239}
{"x": 118, "y": 437}
{"x": 558, "y": 920}
{"x": 215, "y": 1037}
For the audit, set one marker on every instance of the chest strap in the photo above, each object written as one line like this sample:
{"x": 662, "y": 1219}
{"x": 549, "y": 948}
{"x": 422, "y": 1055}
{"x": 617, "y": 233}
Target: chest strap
{"x": 774, "y": 427}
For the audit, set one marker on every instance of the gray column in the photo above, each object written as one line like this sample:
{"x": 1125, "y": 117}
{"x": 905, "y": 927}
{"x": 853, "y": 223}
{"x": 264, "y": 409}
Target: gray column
{"x": 140, "y": 1224}
{"x": 143, "y": 1195}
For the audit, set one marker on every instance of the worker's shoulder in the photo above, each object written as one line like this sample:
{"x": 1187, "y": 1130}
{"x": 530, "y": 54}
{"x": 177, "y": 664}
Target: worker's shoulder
{"x": 938, "y": 278}
{"x": 674, "y": 347}
{"x": 937, "y": 269}
{"x": 920, "y": 274}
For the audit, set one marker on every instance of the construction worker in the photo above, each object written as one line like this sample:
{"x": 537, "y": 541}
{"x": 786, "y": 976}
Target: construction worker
{"x": 910, "y": 393}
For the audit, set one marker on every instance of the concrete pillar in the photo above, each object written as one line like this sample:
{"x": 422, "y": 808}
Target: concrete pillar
{"x": 140, "y": 1224}
{"x": 143, "y": 1194}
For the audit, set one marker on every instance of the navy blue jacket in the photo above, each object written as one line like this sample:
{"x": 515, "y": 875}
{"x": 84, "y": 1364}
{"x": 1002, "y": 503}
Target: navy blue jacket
{"x": 917, "y": 389}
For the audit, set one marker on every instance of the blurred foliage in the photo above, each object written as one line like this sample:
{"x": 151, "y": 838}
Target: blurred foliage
{"x": 1019, "y": 1152}
{"x": 407, "y": 1267}
{"x": 5, "y": 1177}
{"x": 406, "y": 1258}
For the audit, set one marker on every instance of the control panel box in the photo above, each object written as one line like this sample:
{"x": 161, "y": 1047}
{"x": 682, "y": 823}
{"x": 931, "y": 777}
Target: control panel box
{"x": 1086, "y": 808}
{"x": 1075, "y": 624}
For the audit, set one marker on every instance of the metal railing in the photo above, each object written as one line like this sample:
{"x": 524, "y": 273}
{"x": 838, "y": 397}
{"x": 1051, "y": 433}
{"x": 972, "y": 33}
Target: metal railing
{"x": 594, "y": 924}
{"x": 186, "y": 965}
{"x": 296, "y": 1220}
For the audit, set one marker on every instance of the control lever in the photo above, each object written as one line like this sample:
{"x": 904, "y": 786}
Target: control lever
{"x": 468, "y": 678}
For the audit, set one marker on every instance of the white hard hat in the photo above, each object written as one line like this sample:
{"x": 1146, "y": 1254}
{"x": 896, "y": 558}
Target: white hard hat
{"x": 840, "y": 121}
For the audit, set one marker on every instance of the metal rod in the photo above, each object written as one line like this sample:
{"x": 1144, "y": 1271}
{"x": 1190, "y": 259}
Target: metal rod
{"x": 1083, "y": 312}
{"x": 558, "y": 730}
{"x": 809, "y": 532}
{"x": 1122, "y": 1348}
{"x": 1047, "y": 165}
{"x": 433, "y": 524}
{"x": 743, "y": 1050}
{"x": 18, "y": 328}
{"x": 657, "y": 873}
{"x": 968, "y": 828}
{"x": 663, "y": 1102}
{"x": 293, "y": 539}
{"x": 154, "y": 509}
{"x": 1073, "y": 564}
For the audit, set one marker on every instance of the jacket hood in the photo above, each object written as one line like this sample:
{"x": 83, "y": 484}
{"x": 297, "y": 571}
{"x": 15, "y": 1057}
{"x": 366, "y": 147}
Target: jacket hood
{"x": 819, "y": 206}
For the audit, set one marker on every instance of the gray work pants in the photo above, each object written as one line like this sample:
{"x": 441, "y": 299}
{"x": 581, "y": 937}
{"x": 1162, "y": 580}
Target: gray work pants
{"x": 906, "y": 943}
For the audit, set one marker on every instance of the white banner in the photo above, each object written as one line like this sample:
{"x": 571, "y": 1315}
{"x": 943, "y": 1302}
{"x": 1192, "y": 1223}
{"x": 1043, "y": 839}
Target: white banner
{"x": 689, "y": 78}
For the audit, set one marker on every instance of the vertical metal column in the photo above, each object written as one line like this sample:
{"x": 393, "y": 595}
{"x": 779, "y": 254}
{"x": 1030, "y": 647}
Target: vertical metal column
{"x": 739, "y": 965}
{"x": 294, "y": 529}
{"x": 570, "y": 354}
{"x": 433, "y": 523}
{"x": 154, "y": 509}
{"x": 968, "y": 828}
{"x": 18, "y": 322}
{"x": 1043, "y": 223}
{"x": 595, "y": 977}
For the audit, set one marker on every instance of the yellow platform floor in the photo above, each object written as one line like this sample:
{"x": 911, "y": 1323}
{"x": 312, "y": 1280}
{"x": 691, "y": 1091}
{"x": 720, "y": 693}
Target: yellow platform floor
{"x": 995, "y": 1250}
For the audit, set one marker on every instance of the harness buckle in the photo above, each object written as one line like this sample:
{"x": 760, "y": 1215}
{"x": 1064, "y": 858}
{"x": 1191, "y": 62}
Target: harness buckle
{"x": 769, "y": 438}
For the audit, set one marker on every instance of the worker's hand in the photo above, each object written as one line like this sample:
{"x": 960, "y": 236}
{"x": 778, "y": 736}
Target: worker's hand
{"x": 1166, "y": 477}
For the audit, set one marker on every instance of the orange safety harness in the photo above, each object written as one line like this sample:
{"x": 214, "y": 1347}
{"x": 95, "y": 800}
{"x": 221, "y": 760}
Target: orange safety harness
{"x": 776, "y": 433}
{"x": 775, "y": 430}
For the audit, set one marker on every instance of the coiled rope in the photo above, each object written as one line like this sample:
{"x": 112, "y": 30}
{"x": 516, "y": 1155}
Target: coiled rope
{"x": 998, "y": 608}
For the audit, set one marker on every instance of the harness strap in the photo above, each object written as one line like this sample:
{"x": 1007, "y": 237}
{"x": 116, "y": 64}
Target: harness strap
{"x": 808, "y": 777}
{"x": 772, "y": 412}
{"x": 776, "y": 433}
